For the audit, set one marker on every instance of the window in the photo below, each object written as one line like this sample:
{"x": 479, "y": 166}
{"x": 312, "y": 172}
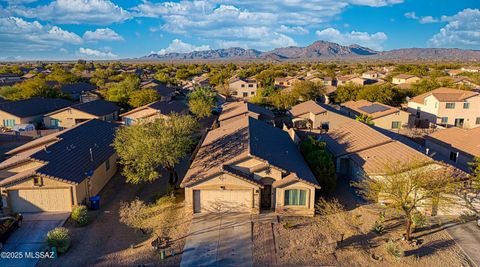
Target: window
{"x": 444, "y": 120}
{"x": 243, "y": 85}
{"x": 37, "y": 181}
{"x": 477, "y": 121}
{"x": 250, "y": 85}
{"x": 252, "y": 93}
{"x": 54, "y": 123}
{"x": 8, "y": 123}
{"x": 107, "y": 164}
{"x": 459, "y": 122}
{"x": 418, "y": 112}
{"x": 453, "y": 156}
{"x": 466, "y": 105}
{"x": 450, "y": 105}
{"x": 396, "y": 124}
{"x": 295, "y": 197}
{"x": 245, "y": 94}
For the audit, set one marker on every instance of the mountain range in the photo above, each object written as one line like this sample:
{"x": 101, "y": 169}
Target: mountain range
{"x": 321, "y": 50}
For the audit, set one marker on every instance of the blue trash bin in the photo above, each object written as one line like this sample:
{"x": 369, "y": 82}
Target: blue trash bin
{"x": 95, "y": 202}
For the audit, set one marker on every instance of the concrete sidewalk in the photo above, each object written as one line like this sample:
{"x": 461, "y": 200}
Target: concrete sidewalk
{"x": 219, "y": 239}
{"x": 467, "y": 236}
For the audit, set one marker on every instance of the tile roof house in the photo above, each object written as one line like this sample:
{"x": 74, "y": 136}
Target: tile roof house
{"x": 248, "y": 166}
{"x": 232, "y": 111}
{"x": 29, "y": 111}
{"x": 73, "y": 115}
{"x": 166, "y": 93}
{"x": 447, "y": 107}
{"x": 75, "y": 90}
{"x": 57, "y": 171}
{"x": 243, "y": 88}
{"x": 382, "y": 115}
{"x": 153, "y": 110}
{"x": 308, "y": 114}
{"x": 459, "y": 146}
{"x": 405, "y": 78}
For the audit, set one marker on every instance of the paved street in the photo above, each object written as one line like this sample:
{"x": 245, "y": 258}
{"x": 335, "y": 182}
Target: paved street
{"x": 221, "y": 239}
{"x": 467, "y": 237}
{"x": 30, "y": 237}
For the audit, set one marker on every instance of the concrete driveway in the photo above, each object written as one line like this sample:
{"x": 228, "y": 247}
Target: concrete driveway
{"x": 30, "y": 237}
{"x": 467, "y": 236}
{"x": 219, "y": 239}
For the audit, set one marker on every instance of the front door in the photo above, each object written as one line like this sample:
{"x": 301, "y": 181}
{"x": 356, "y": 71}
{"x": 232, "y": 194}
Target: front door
{"x": 266, "y": 196}
{"x": 459, "y": 123}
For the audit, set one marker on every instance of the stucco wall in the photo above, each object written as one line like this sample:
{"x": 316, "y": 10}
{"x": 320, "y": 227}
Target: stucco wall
{"x": 307, "y": 210}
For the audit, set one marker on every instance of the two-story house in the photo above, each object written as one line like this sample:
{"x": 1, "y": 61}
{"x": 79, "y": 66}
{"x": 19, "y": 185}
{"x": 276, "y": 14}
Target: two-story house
{"x": 243, "y": 88}
{"x": 249, "y": 166}
{"x": 383, "y": 116}
{"x": 447, "y": 107}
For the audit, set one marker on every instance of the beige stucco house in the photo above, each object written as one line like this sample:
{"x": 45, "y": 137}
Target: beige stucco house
{"x": 372, "y": 75}
{"x": 308, "y": 114}
{"x": 29, "y": 111}
{"x": 153, "y": 110}
{"x": 249, "y": 166}
{"x": 73, "y": 115}
{"x": 447, "y": 107}
{"x": 60, "y": 170}
{"x": 405, "y": 78}
{"x": 243, "y": 88}
{"x": 382, "y": 115}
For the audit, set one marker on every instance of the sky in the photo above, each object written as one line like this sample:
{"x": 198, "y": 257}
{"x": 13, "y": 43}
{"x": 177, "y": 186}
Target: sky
{"x": 118, "y": 29}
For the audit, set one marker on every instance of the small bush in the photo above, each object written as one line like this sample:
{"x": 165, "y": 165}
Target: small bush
{"x": 419, "y": 219}
{"x": 133, "y": 214}
{"x": 394, "y": 249}
{"x": 79, "y": 214}
{"x": 324, "y": 207}
{"x": 378, "y": 228}
{"x": 288, "y": 225}
{"x": 59, "y": 238}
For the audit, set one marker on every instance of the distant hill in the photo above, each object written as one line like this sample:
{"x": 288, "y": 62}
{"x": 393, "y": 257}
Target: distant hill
{"x": 322, "y": 50}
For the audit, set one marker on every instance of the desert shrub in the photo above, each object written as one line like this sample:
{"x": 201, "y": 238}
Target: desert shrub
{"x": 419, "y": 219}
{"x": 325, "y": 207}
{"x": 394, "y": 249}
{"x": 79, "y": 214}
{"x": 59, "y": 238}
{"x": 288, "y": 225}
{"x": 378, "y": 227}
{"x": 133, "y": 213}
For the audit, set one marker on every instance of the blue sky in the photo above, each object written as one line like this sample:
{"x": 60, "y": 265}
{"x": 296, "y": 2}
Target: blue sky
{"x": 115, "y": 29}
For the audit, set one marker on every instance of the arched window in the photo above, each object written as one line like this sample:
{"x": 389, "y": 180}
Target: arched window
{"x": 295, "y": 197}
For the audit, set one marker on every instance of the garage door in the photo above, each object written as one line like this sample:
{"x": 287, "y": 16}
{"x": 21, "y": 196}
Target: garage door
{"x": 38, "y": 200}
{"x": 222, "y": 200}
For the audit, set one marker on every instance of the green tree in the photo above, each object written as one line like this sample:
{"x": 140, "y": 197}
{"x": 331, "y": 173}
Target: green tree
{"x": 283, "y": 100}
{"x": 347, "y": 93}
{"x": 365, "y": 119}
{"x": 10, "y": 93}
{"x": 306, "y": 90}
{"x": 37, "y": 87}
{"x": 142, "y": 97}
{"x": 120, "y": 92}
{"x": 143, "y": 148}
{"x": 321, "y": 163}
{"x": 201, "y": 101}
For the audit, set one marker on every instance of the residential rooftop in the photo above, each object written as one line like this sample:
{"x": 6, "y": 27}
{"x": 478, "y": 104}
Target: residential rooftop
{"x": 33, "y": 106}
{"x": 466, "y": 140}
{"x": 372, "y": 109}
{"x": 444, "y": 94}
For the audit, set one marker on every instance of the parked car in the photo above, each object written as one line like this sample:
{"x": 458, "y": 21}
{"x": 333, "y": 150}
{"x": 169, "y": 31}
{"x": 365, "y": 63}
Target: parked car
{"x": 23, "y": 127}
{"x": 8, "y": 225}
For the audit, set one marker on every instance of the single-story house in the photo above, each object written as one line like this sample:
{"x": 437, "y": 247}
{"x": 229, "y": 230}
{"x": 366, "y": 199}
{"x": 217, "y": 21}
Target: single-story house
{"x": 73, "y": 115}
{"x": 201, "y": 81}
{"x": 249, "y": 166}
{"x": 58, "y": 171}
{"x": 308, "y": 114}
{"x": 75, "y": 90}
{"x": 383, "y": 116}
{"x": 166, "y": 93}
{"x": 405, "y": 78}
{"x": 459, "y": 146}
{"x": 153, "y": 110}
{"x": 29, "y": 111}
{"x": 371, "y": 75}
{"x": 234, "y": 111}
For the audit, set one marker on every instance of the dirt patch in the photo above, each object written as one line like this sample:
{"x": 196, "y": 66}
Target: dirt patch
{"x": 316, "y": 241}
{"x": 263, "y": 245}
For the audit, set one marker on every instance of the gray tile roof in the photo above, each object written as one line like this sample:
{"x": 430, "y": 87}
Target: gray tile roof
{"x": 34, "y": 106}
{"x": 69, "y": 158}
{"x": 98, "y": 107}
{"x": 167, "y": 107}
{"x": 76, "y": 88}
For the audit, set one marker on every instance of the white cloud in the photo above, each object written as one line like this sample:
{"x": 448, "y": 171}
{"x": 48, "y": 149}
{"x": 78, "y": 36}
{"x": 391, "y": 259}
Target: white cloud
{"x": 18, "y": 2}
{"x": 88, "y": 52}
{"x": 376, "y": 3}
{"x": 373, "y": 41}
{"x": 105, "y": 34}
{"x": 17, "y": 34}
{"x": 462, "y": 30}
{"x": 178, "y": 46}
{"x": 293, "y": 29}
{"x": 98, "y": 12}
{"x": 422, "y": 20}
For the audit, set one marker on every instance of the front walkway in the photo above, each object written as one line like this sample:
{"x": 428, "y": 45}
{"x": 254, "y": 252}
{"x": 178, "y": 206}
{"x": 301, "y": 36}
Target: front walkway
{"x": 219, "y": 239}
